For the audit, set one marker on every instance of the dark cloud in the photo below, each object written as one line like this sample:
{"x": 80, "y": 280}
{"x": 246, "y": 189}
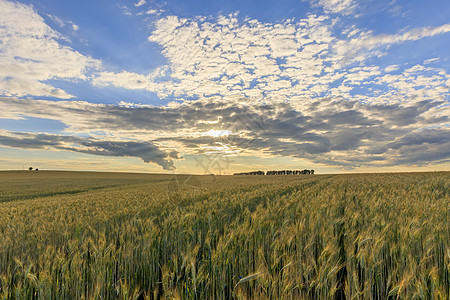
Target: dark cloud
{"x": 148, "y": 152}
{"x": 28, "y": 142}
{"x": 428, "y": 136}
{"x": 430, "y": 145}
{"x": 399, "y": 115}
{"x": 342, "y": 133}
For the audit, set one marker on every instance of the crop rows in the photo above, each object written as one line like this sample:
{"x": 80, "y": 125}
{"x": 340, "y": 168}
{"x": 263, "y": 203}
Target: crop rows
{"x": 366, "y": 236}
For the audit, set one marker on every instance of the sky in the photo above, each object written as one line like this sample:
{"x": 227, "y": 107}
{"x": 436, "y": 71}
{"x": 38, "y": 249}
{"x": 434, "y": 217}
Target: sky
{"x": 225, "y": 86}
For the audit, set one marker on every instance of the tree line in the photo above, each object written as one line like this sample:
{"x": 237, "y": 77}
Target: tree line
{"x": 282, "y": 172}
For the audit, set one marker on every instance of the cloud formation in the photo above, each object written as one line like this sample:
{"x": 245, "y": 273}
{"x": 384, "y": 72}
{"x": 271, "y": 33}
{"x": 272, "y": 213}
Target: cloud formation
{"x": 33, "y": 53}
{"x": 291, "y": 60}
{"x": 344, "y": 7}
{"x": 148, "y": 152}
{"x": 286, "y": 61}
{"x": 340, "y": 133}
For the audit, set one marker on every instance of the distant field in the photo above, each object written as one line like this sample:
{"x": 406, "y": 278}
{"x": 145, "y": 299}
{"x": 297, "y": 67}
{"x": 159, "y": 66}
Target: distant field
{"x": 18, "y": 185}
{"x": 86, "y": 235}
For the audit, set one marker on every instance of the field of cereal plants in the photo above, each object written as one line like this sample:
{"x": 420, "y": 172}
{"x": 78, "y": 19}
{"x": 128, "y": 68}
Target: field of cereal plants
{"x": 80, "y": 235}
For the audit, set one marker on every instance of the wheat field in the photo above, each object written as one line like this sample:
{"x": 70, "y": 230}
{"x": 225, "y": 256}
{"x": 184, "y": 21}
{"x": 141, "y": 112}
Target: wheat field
{"x": 80, "y": 235}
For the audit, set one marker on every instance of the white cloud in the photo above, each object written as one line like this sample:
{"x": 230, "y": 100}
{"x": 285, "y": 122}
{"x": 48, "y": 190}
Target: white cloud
{"x": 365, "y": 44}
{"x": 415, "y": 84}
{"x": 202, "y": 54}
{"x": 431, "y": 60}
{"x": 221, "y": 57}
{"x": 344, "y": 7}
{"x": 154, "y": 11}
{"x": 357, "y": 75}
{"x": 126, "y": 10}
{"x": 140, "y": 3}
{"x": 16, "y": 86}
{"x": 57, "y": 20}
{"x": 122, "y": 79}
{"x": 32, "y": 53}
{"x": 391, "y": 68}
{"x": 281, "y": 62}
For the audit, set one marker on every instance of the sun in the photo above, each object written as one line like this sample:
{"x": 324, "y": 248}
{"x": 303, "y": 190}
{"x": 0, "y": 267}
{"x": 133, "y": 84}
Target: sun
{"x": 218, "y": 133}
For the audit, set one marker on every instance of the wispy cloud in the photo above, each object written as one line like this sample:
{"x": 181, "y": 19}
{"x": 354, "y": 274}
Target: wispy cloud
{"x": 344, "y": 7}
{"x": 140, "y": 3}
{"x": 154, "y": 12}
{"x": 364, "y": 43}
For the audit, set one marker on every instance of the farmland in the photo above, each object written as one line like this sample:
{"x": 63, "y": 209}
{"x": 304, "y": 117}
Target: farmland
{"x": 75, "y": 235}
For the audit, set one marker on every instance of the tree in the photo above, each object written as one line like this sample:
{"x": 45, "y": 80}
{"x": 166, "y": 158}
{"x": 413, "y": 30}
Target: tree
{"x": 30, "y": 168}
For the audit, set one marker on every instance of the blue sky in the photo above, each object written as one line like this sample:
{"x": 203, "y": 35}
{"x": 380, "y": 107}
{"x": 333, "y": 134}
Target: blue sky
{"x": 225, "y": 86}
